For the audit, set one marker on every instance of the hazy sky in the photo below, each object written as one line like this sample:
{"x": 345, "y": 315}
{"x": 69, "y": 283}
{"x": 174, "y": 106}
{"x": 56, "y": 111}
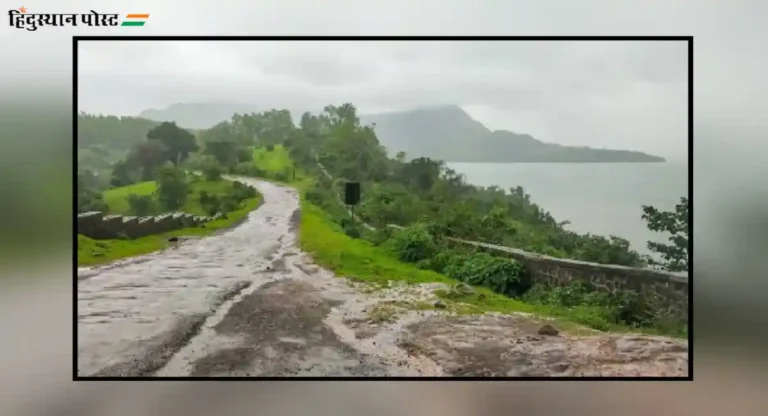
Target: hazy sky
{"x": 629, "y": 95}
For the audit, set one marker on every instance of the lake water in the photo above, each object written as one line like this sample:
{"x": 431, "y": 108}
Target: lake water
{"x": 604, "y": 198}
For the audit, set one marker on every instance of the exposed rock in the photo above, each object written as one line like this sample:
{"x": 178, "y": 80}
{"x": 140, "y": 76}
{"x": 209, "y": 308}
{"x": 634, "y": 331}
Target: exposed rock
{"x": 548, "y": 330}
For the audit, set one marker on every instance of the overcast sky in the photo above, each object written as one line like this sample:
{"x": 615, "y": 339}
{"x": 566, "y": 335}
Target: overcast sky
{"x": 627, "y": 95}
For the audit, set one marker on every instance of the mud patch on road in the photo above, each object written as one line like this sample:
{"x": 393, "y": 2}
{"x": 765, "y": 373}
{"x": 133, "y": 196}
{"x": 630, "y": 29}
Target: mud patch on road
{"x": 493, "y": 346}
{"x": 283, "y": 334}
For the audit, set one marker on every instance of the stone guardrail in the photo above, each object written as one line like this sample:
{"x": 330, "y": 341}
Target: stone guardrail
{"x": 98, "y": 226}
{"x": 668, "y": 289}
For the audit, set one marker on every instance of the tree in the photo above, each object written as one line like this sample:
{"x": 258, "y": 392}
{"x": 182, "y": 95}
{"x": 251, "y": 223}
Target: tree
{"x": 675, "y": 222}
{"x": 148, "y": 156}
{"x": 124, "y": 173}
{"x": 89, "y": 198}
{"x": 171, "y": 188}
{"x": 179, "y": 143}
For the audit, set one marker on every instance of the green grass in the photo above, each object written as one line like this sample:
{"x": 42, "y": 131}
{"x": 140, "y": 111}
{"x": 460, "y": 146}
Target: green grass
{"x": 93, "y": 252}
{"x": 117, "y": 198}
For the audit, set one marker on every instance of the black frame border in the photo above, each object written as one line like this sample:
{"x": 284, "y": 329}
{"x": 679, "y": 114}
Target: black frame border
{"x": 75, "y": 112}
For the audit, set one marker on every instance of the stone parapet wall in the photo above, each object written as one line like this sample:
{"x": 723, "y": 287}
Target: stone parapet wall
{"x": 666, "y": 289}
{"x": 98, "y": 226}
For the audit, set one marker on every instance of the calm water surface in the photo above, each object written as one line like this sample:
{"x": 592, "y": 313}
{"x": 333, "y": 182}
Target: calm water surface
{"x": 603, "y": 198}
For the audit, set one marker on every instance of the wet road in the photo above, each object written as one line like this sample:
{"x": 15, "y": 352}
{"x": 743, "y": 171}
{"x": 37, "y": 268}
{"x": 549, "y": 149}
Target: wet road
{"x": 247, "y": 302}
{"x": 133, "y": 316}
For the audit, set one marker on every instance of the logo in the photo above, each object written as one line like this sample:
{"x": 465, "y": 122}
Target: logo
{"x": 20, "y": 19}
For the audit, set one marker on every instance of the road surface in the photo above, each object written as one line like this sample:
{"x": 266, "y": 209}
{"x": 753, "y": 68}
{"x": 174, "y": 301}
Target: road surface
{"x": 247, "y": 302}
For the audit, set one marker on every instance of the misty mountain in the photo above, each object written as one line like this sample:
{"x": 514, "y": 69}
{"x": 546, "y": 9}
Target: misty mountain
{"x": 449, "y": 133}
{"x": 197, "y": 115}
{"x": 443, "y": 132}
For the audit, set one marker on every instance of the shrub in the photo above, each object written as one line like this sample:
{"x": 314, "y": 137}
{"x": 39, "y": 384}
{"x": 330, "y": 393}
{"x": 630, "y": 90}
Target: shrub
{"x": 270, "y": 147}
{"x": 213, "y": 171}
{"x": 141, "y": 205}
{"x": 502, "y": 275}
{"x": 413, "y": 244}
{"x": 241, "y": 192}
{"x": 625, "y": 308}
{"x": 351, "y": 228}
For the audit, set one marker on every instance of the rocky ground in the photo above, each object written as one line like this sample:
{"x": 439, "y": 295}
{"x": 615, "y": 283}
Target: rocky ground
{"x": 247, "y": 302}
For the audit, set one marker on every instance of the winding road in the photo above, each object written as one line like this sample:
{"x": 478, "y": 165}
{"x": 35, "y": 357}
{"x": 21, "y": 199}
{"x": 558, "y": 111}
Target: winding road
{"x": 247, "y": 302}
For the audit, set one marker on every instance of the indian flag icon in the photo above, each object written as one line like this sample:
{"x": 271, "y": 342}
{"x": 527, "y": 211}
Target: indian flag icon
{"x": 135, "y": 19}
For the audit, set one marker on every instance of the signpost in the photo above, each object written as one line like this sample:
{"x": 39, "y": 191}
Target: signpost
{"x": 352, "y": 197}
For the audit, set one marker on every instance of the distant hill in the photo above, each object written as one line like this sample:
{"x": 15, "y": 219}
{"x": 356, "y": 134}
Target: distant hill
{"x": 449, "y": 133}
{"x": 443, "y": 132}
{"x": 197, "y": 115}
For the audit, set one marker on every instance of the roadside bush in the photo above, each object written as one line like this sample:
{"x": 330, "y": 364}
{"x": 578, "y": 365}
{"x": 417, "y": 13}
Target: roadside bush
{"x": 213, "y": 171}
{"x": 241, "y": 192}
{"x": 270, "y": 147}
{"x": 502, "y": 275}
{"x": 413, "y": 244}
{"x": 351, "y": 228}
{"x": 210, "y": 203}
{"x": 141, "y": 205}
{"x": 625, "y": 308}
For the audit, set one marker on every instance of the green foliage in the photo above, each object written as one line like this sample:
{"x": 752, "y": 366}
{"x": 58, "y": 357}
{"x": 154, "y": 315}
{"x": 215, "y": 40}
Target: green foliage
{"x": 141, "y": 205}
{"x": 270, "y": 147}
{"x": 176, "y": 142}
{"x": 601, "y": 310}
{"x": 171, "y": 188}
{"x": 504, "y": 276}
{"x": 675, "y": 255}
{"x": 413, "y": 244}
{"x": 104, "y": 140}
{"x": 213, "y": 172}
{"x": 89, "y": 198}
{"x": 124, "y": 174}
{"x": 229, "y": 201}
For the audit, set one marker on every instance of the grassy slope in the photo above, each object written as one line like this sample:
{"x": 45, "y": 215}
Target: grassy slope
{"x": 91, "y": 252}
{"x": 360, "y": 260}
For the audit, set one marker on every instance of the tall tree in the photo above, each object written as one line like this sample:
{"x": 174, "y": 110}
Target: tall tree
{"x": 179, "y": 143}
